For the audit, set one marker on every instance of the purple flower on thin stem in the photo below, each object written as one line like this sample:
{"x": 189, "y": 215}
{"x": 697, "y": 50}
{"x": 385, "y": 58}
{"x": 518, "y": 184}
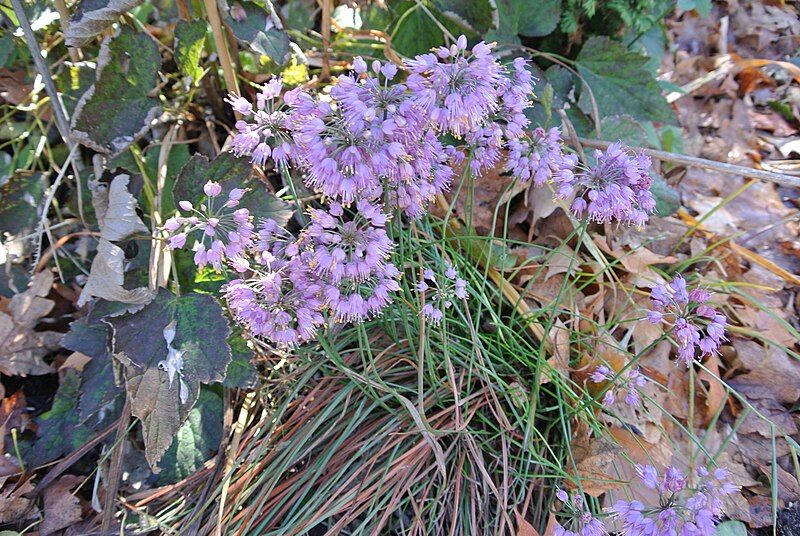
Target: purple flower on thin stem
{"x": 580, "y": 521}
{"x": 540, "y": 158}
{"x": 356, "y": 300}
{"x": 444, "y": 290}
{"x": 697, "y": 327}
{"x": 351, "y": 248}
{"x": 284, "y": 305}
{"x": 626, "y": 385}
{"x": 227, "y": 232}
{"x": 456, "y": 89}
{"x": 683, "y": 508}
{"x": 616, "y": 187}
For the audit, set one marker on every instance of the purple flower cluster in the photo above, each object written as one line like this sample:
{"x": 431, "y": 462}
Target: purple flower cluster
{"x": 581, "y": 521}
{"x": 444, "y": 291}
{"x": 695, "y": 324}
{"x": 541, "y": 158}
{"x": 226, "y": 231}
{"x": 375, "y": 140}
{"x": 682, "y": 509}
{"x": 625, "y": 385}
{"x": 617, "y": 187}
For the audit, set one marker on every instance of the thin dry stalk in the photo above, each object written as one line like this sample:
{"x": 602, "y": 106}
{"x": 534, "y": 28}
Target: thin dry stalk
{"x": 221, "y": 43}
{"x": 326, "y": 39}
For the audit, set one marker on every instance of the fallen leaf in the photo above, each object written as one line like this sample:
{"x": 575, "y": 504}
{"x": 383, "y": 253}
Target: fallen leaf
{"x": 115, "y": 207}
{"x": 596, "y": 460}
{"x": 21, "y": 347}
{"x": 773, "y": 374}
{"x": 62, "y": 508}
{"x": 14, "y": 502}
{"x": 716, "y": 393}
{"x": 106, "y": 278}
{"x": 523, "y": 527}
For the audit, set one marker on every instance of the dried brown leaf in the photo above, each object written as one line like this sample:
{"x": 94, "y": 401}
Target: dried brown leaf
{"x": 21, "y": 347}
{"x": 115, "y": 207}
{"x": 62, "y": 509}
{"x": 106, "y": 278}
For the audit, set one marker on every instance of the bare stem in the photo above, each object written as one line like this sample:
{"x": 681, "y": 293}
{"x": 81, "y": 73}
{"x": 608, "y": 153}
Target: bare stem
{"x": 326, "y": 39}
{"x": 222, "y": 45}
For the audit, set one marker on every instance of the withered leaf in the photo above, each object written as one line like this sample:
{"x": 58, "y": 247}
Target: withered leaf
{"x": 62, "y": 509}
{"x": 141, "y": 345}
{"x": 21, "y": 347}
{"x": 115, "y": 207}
{"x": 106, "y": 278}
{"x": 92, "y": 17}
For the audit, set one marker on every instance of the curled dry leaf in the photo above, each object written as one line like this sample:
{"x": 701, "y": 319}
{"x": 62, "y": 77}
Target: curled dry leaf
{"x": 116, "y": 212}
{"x": 115, "y": 207}
{"x": 106, "y": 278}
{"x": 91, "y": 18}
{"x": 21, "y": 347}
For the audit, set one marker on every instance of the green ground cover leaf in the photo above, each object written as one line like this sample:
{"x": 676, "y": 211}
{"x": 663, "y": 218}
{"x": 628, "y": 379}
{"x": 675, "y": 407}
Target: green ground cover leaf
{"x": 620, "y": 82}
{"x": 167, "y": 350}
{"x": 196, "y": 440}
{"x": 190, "y": 37}
{"x": 117, "y": 109}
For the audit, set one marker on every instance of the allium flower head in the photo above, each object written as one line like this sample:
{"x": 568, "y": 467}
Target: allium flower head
{"x": 685, "y": 508}
{"x": 541, "y": 158}
{"x": 264, "y": 132}
{"x": 577, "y": 520}
{"x": 444, "y": 290}
{"x": 356, "y": 300}
{"x": 351, "y": 248}
{"x": 626, "y": 385}
{"x": 456, "y": 88}
{"x": 223, "y": 231}
{"x": 283, "y": 305}
{"x": 697, "y": 327}
{"x": 617, "y": 187}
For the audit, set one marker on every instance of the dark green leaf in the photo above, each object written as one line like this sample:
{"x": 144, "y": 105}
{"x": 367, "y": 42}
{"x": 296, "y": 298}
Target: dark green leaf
{"x": 668, "y": 201}
{"x": 416, "y": 30}
{"x": 256, "y": 27}
{"x": 623, "y": 128}
{"x": 196, "y": 440}
{"x": 231, "y": 172}
{"x": 59, "y": 429}
{"x": 703, "y": 7}
{"x": 101, "y": 397}
{"x": 167, "y": 350}
{"x": 73, "y": 82}
{"x": 619, "y": 81}
{"x": 732, "y": 528}
{"x": 520, "y": 17}
{"x": 190, "y": 37}
{"x": 478, "y": 15}
{"x": 92, "y": 17}
{"x": 116, "y": 110}
{"x": 19, "y": 203}
{"x": 241, "y": 373}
